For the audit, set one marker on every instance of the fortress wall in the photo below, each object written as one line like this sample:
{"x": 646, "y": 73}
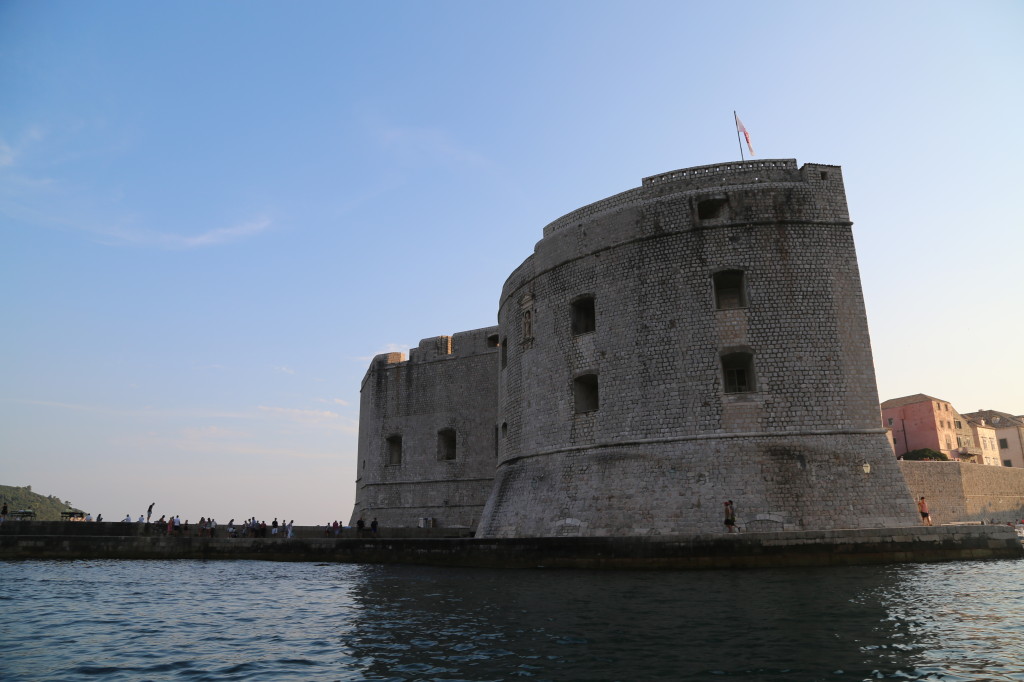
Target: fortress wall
{"x": 959, "y": 492}
{"x": 648, "y": 260}
{"x": 777, "y": 483}
{"x": 407, "y": 468}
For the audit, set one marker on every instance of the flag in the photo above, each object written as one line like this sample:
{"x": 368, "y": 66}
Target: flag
{"x": 740, "y": 128}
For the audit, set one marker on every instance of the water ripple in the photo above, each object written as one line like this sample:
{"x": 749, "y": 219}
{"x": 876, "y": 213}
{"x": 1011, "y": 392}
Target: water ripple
{"x": 193, "y": 620}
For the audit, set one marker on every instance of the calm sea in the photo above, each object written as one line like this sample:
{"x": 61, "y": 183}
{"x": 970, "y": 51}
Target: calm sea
{"x": 249, "y": 620}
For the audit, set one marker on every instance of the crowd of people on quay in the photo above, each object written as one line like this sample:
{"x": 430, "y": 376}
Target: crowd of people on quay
{"x": 208, "y": 527}
{"x": 250, "y": 528}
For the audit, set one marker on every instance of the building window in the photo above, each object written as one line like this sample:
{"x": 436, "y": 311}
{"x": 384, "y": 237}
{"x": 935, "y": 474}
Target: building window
{"x": 729, "y": 290}
{"x": 492, "y": 341}
{"x": 738, "y": 372}
{"x": 1003, "y": 444}
{"x": 709, "y": 209}
{"x": 1007, "y": 463}
{"x": 584, "y": 319}
{"x": 957, "y": 423}
{"x": 504, "y": 353}
{"x": 584, "y": 393}
{"x": 949, "y": 442}
{"x": 446, "y": 445}
{"x": 394, "y": 450}
{"x": 890, "y": 421}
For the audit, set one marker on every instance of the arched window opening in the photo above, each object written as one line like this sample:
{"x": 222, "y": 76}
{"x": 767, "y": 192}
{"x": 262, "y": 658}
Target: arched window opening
{"x": 709, "y": 209}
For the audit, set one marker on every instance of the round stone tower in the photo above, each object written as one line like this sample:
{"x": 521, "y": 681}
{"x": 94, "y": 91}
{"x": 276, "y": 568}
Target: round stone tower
{"x": 698, "y": 339}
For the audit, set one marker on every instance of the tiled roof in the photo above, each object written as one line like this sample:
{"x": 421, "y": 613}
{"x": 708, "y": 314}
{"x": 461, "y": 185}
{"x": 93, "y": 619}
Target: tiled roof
{"x": 910, "y": 400}
{"x": 997, "y": 419}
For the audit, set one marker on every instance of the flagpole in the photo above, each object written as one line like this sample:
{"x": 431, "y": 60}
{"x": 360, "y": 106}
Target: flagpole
{"x": 736, "y": 120}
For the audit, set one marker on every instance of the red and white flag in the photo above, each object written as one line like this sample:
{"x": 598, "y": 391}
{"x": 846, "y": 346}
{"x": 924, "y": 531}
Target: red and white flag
{"x": 740, "y": 128}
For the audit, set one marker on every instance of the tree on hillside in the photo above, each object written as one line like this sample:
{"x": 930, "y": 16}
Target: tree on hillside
{"x": 47, "y": 508}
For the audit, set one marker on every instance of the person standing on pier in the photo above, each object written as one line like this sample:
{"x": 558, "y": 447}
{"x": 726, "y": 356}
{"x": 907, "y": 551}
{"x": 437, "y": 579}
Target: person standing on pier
{"x": 730, "y": 517}
{"x": 926, "y": 517}
{"x": 149, "y": 512}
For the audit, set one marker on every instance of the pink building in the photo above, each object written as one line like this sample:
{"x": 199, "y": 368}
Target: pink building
{"x": 921, "y": 421}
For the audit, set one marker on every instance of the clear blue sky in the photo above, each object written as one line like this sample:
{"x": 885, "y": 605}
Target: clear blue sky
{"x": 213, "y": 214}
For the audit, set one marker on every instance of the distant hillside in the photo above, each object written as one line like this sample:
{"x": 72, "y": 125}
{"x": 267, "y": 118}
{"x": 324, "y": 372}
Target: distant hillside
{"x": 46, "y": 507}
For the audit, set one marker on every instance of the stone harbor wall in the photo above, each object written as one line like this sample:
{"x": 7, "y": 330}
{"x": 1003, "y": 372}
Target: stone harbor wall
{"x": 808, "y": 548}
{"x": 959, "y": 492}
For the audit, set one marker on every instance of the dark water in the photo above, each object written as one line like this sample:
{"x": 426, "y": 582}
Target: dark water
{"x": 191, "y": 620}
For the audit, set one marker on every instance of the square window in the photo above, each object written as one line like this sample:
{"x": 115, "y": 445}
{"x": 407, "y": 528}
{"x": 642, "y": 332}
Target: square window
{"x": 584, "y": 393}
{"x": 446, "y": 442}
{"x": 738, "y": 372}
{"x": 394, "y": 450}
{"x": 730, "y": 289}
{"x": 584, "y": 318}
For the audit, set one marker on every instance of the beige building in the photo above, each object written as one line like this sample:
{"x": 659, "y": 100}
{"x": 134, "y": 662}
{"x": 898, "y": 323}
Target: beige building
{"x": 985, "y": 436}
{"x": 1009, "y": 433}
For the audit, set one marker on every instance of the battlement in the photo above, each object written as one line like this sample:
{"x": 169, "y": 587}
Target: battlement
{"x": 719, "y": 175}
{"x": 718, "y": 170}
{"x": 459, "y": 345}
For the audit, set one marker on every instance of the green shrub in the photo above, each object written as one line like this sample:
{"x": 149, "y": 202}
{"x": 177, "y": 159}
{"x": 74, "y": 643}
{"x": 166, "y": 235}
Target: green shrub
{"x": 926, "y": 453}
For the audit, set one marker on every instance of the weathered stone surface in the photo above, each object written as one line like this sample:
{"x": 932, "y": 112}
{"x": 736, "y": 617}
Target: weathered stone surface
{"x": 960, "y": 492}
{"x": 441, "y": 403}
{"x": 809, "y": 548}
{"x": 699, "y": 338}
{"x": 669, "y": 440}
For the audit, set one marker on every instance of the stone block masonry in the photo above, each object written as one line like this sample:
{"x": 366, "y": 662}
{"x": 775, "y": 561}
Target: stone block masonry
{"x": 959, "y": 492}
{"x": 699, "y": 338}
{"x": 754, "y": 550}
{"x": 426, "y": 433}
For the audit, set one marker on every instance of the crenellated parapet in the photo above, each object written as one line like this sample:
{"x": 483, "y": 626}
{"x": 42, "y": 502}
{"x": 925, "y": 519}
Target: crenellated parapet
{"x": 812, "y": 191}
{"x": 426, "y": 432}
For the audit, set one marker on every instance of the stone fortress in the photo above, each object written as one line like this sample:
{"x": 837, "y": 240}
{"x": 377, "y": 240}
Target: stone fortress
{"x": 699, "y": 338}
